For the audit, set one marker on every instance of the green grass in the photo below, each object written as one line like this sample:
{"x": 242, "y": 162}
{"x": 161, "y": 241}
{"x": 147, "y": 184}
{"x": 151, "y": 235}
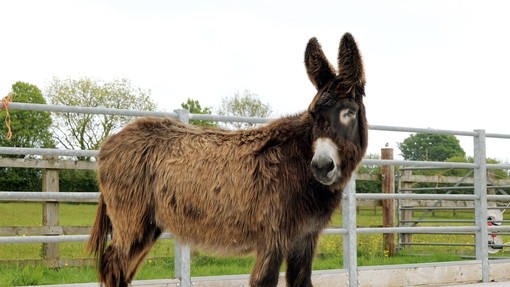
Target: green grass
{"x": 160, "y": 263}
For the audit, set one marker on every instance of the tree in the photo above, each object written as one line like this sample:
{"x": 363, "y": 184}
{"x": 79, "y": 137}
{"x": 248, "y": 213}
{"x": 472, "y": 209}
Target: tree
{"x": 430, "y": 147}
{"x": 87, "y": 131}
{"x": 246, "y": 105}
{"x": 193, "y": 106}
{"x": 29, "y": 129}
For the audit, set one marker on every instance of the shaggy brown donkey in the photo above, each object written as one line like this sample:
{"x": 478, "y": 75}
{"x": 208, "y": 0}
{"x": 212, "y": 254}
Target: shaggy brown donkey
{"x": 269, "y": 190}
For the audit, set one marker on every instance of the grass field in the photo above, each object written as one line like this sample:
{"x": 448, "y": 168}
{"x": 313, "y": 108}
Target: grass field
{"x": 160, "y": 262}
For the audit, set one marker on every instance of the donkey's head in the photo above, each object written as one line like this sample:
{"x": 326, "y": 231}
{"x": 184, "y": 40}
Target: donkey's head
{"x": 337, "y": 111}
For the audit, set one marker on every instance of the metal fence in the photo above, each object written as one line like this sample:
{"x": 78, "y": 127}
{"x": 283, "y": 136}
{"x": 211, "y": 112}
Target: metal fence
{"x": 349, "y": 230}
{"x": 406, "y": 209}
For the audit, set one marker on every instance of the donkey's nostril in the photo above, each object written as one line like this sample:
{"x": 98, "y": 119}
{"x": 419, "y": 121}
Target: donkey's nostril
{"x": 323, "y": 165}
{"x": 330, "y": 166}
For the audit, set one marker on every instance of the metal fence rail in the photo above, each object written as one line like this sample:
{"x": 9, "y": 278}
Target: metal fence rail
{"x": 349, "y": 230}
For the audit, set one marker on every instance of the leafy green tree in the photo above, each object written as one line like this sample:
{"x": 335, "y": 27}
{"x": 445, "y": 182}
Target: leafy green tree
{"x": 430, "y": 147}
{"x": 87, "y": 131}
{"x": 29, "y": 129}
{"x": 194, "y": 107}
{"x": 245, "y": 105}
{"x": 433, "y": 147}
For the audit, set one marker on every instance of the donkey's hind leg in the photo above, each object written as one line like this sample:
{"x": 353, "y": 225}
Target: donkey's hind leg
{"x": 112, "y": 268}
{"x": 139, "y": 250}
{"x": 126, "y": 252}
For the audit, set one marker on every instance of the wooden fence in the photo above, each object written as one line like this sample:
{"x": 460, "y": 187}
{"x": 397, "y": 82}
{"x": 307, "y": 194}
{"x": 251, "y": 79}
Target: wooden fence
{"x": 50, "y": 224}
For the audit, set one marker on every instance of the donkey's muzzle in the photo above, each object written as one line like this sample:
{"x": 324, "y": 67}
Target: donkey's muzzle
{"x": 325, "y": 163}
{"x": 324, "y": 169}
{"x": 322, "y": 165}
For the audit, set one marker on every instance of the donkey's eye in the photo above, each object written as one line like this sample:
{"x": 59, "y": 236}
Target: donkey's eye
{"x": 346, "y": 115}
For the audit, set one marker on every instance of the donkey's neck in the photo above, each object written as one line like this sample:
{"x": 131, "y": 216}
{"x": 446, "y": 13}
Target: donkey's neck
{"x": 292, "y": 133}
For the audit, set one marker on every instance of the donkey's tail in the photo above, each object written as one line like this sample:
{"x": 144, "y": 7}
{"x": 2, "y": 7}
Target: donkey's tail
{"x": 99, "y": 234}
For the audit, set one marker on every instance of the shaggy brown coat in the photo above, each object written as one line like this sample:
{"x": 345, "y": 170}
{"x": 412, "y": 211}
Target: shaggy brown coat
{"x": 233, "y": 192}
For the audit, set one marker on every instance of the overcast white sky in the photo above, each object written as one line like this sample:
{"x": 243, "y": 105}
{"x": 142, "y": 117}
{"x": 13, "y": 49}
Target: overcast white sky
{"x": 429, "y": 64}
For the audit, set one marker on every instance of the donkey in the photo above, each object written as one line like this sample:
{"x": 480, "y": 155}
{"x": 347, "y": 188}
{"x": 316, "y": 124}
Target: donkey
{"x": 270, "y": 190}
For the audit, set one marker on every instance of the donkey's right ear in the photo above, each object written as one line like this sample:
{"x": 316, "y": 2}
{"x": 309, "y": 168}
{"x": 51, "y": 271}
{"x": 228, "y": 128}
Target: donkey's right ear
{"x": 317, "y": 66}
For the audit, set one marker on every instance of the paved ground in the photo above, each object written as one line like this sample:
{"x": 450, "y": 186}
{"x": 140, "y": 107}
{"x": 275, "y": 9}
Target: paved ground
{"x": 491, "y": 284}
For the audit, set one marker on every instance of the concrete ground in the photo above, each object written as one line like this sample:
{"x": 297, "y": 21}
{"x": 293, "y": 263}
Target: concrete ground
{"x": 490, "y": 284}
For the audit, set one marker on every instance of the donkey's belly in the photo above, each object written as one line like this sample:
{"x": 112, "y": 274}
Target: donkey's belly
{"x": 218, "y": 224}
{"x": 217, "y": 236}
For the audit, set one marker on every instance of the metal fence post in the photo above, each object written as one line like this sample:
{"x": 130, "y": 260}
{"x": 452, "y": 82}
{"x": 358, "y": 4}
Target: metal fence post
{"x": 404, "y": 215}
{"x": 480, "y": 190}
{"x": 349, "y": 223}
{"x": 182, "y": 257}
{"x": 182, "y": 264}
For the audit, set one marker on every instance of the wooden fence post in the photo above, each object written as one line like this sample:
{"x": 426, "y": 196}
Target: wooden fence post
{"x": 388, "y": 205}
{"x": 50, "y": 183}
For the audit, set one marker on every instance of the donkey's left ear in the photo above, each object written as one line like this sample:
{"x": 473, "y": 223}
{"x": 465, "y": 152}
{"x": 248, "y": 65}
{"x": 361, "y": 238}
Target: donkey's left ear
{"x": 350, "y": 64}
{"x": 317, "y": 66}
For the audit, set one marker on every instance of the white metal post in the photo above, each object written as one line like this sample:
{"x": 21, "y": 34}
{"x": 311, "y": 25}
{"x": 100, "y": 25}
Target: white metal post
{"x": 182, "y": 256}
{"x": 349, "y": 238}
{"x": 182, "y": 264}
{"x": 480, "y": 190}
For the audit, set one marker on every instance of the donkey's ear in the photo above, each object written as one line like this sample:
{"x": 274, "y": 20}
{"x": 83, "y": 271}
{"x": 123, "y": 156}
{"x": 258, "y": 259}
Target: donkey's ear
{"x": 350, "y": 64}
{"x": 317, "y": 66}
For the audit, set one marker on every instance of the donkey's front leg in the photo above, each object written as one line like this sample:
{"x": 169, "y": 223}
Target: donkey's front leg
{"x": 299, "y": 261}
{"x": 266, "y": 271}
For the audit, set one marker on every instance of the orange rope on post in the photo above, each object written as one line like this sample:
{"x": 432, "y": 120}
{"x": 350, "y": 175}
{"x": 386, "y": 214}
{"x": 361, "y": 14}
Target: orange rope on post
{"x": 5, "y": 105}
